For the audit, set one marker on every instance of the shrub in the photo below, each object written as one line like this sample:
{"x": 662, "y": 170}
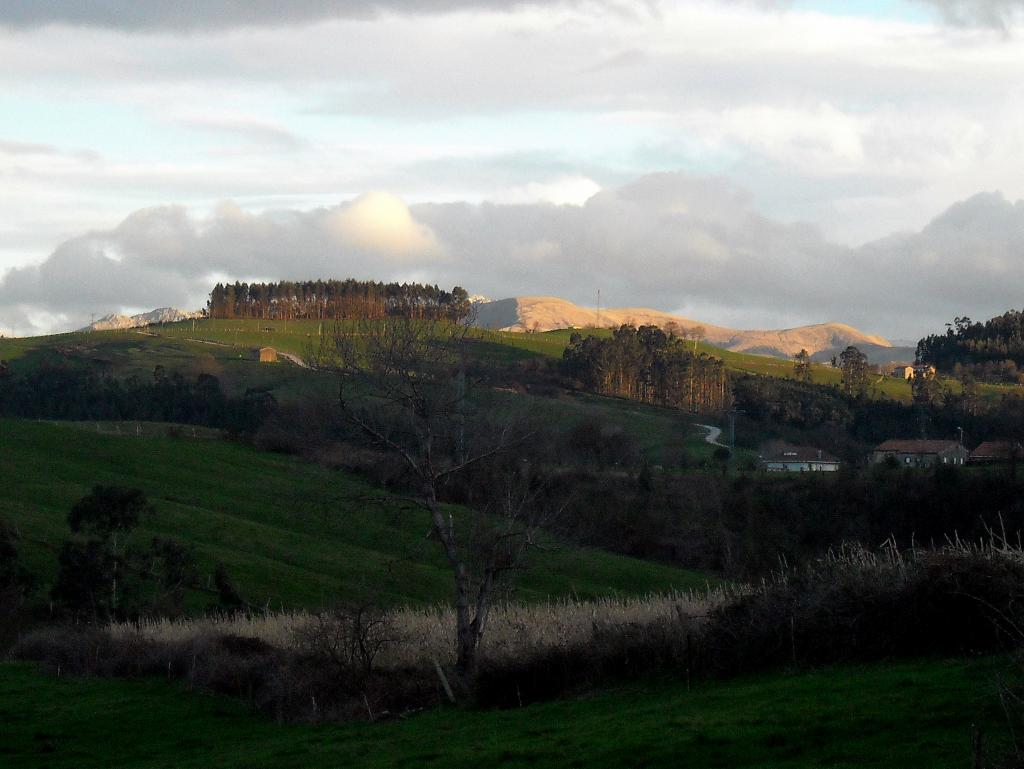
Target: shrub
{"x": 861, "y": 606}
{"x": 362, "y": 663}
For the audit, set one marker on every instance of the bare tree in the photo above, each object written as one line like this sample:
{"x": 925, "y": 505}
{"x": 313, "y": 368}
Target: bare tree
{"x": 406, "y": 386}
{"x": 802, "y": 366}
{"x": 697, "y": 333}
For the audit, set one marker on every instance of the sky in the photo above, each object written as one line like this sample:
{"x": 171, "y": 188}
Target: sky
{"x": 749, "y": 163}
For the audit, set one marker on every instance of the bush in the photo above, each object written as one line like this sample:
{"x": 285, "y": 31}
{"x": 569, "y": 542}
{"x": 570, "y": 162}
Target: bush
{"x": 858, "y": 606}
{"x": 362, "y": 663}
{"x": 16, "y": 582}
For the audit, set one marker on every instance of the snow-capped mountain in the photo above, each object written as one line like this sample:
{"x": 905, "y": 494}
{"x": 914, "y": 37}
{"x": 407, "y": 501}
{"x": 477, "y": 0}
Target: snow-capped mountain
{"x": 115, "y": 321}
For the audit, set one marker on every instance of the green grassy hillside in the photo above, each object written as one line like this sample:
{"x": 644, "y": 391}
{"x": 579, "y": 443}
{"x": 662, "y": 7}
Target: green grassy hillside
{"x": 228, "y": 342}
{"x": 221, "y": 348}
{"x": 291, "y": 534}
{"x": 908, "y": 715}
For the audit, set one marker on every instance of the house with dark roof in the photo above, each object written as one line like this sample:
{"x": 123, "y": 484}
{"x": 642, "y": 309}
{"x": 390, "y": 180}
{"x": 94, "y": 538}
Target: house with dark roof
{"x": 799, "y": 459}
{"x": 996, "y": 452}
{"x": 920, "y": 453}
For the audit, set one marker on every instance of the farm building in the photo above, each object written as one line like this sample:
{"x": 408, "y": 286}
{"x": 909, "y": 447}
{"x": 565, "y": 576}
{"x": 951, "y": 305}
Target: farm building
{"x": 920, "y": 453}
{"x": 799, "y": 459}
{"x": 996, "y": 452}
{"x": 912, "y": 372}
{"x": 264, "y": 354}
{"x": 903, "y": 372}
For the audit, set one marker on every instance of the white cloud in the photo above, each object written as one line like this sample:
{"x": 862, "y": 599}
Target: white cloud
{"x": 863, "y": 126}
{"x": 669, "y": 241}
{"x": 380, "y": 222}
{"x": 561, "y": 191}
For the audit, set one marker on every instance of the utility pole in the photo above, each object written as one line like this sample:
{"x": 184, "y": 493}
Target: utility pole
{"x": 598, "y": 325}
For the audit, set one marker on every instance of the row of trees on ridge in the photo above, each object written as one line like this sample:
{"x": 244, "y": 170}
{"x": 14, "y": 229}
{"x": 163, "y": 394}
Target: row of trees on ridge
{"x": 336, "y": 300}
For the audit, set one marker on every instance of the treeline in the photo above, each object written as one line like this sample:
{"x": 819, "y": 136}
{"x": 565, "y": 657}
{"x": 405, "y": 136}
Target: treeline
{"x": 68, "y": 392}
{"x": 647, "y": 365}
{"x": 848, "y": 425}
{"x": 991, "y": 351}
{"x": 745, "y": 526}
{"x": 335, "y": 300}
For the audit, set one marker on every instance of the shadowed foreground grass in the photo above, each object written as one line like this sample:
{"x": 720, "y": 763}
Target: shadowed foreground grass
{"x": 899, "y": 716}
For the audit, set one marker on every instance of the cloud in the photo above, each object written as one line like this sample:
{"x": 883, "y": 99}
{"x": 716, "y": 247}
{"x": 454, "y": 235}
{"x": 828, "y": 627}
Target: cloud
{"x": 252, "y": 131}
{"x": 163, "y": 256}
{"x": 378, "y": 222}
{"x": 133, "y": 16}
{"x": 669, "y": 241}
{"x": 35, "y": 149}
{"x": 988, "y": 13}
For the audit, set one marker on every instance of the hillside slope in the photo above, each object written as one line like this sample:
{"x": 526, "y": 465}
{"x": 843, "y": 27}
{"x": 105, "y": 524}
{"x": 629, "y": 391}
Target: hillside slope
{"x": 292, "y": 534}
{"x": 546, "y": 313}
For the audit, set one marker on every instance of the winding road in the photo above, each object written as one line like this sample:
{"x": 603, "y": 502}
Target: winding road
{"x": 712, "y": 436}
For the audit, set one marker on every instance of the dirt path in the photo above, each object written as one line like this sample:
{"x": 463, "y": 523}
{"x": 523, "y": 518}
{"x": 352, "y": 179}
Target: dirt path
{"x": 293, "y": 358}
{"x": 207, "y": 341}
{"x": 712, "y": 436}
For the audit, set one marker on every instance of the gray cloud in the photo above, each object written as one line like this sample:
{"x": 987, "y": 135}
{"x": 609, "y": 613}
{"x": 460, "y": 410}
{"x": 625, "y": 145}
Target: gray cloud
{"x": 667, "y": 241}
{"x": 29, "y": 149}
{"x": 131, "y": 15}
{"x": 989, "y": 13}
{"x": 254, "y": 132}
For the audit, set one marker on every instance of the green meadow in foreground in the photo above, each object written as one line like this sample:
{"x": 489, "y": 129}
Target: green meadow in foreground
{"x": 897, "y": 716}
{"x": 291, "y": 534}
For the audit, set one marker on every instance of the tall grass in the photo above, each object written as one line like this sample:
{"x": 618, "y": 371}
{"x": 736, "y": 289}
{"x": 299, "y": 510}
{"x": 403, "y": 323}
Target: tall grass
{"x": 854, "y": 604}
{"x": 423, "y": 636}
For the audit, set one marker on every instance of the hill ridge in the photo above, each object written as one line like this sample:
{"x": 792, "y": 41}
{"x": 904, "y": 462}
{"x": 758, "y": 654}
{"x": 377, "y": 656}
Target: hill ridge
{"x": 547, "y": 313}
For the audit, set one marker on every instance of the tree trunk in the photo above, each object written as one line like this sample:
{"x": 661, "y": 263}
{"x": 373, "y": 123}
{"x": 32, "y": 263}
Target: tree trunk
{"x": 466, "y": 636}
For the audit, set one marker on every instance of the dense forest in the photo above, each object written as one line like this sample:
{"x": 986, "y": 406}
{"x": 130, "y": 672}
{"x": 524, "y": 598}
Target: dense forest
{"x": 648, "y": 365}
{"x": 745, "y": 525}
{"x": 991, "y": 351}
{"x": 335, "y": 300}
{"x": 69, "y": 392}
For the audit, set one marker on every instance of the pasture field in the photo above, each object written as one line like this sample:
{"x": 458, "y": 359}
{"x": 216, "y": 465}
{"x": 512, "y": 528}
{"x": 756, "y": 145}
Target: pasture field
{"x": 222, "y": 348}
{"x": 291, "y": 534}
{"x": 911, "y": 715}
{"x": 231, "y": 340}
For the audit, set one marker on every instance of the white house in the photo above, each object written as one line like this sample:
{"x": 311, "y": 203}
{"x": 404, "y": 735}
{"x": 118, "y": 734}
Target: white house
{"x": 799, "y": 459}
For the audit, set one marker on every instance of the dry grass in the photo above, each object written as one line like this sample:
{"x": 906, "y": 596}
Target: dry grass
{"x": 423, "y": 636}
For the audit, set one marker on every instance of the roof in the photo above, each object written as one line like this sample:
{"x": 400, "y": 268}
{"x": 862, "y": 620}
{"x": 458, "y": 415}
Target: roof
{"x": 799, "y": 454}
{"x": 261, "y": 349}
{"x": 916, "y": 447}
{"x": 996, "y": 450}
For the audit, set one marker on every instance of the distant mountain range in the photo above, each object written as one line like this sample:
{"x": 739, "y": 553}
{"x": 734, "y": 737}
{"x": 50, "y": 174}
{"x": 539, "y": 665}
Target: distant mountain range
{"x": 822, "y": 340}
{"x": 114, "y": 321}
